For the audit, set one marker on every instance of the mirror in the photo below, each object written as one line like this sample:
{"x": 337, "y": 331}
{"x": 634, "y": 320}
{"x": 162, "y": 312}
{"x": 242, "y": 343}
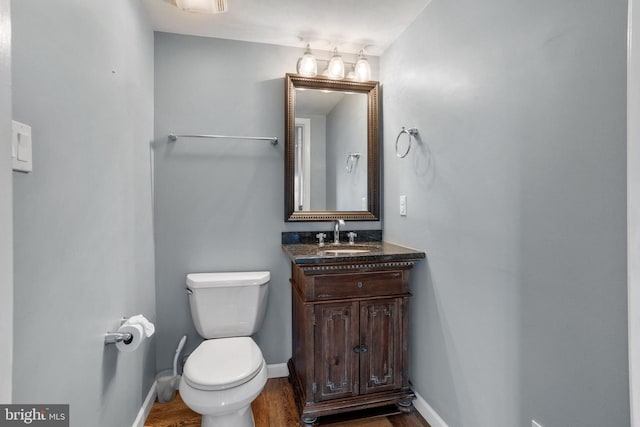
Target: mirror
{"x": 332, "y": 164}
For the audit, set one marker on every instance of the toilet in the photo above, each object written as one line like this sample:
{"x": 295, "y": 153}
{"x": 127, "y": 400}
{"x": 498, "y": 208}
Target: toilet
{"x": 227, "y": 371}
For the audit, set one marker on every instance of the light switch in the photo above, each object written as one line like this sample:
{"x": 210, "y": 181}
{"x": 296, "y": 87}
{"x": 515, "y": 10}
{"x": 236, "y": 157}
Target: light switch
{"x": 21, "y": 149}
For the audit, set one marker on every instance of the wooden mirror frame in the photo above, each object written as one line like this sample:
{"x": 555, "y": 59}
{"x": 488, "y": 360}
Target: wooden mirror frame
{"x": 372, "y": 90}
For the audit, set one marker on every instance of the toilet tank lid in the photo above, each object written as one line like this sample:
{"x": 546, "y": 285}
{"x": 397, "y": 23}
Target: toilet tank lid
{"x": 239, "y": 278}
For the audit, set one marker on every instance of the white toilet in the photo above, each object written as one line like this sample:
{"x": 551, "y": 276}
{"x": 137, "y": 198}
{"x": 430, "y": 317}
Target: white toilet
{"x": 226, "y": 372}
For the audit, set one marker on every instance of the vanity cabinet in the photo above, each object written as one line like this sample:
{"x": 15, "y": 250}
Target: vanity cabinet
{"x": 350, "y": 324}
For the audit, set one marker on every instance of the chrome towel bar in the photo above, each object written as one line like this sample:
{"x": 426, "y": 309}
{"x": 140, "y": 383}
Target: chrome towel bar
{"x": 274, "y": 140}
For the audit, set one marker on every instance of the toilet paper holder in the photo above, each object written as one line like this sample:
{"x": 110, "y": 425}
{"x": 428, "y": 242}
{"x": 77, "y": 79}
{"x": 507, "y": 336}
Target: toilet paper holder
{"x": 114, "y": 337}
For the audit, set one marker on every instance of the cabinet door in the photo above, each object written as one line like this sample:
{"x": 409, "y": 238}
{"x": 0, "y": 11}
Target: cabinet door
{"x": 336, "y": 363}
{"x": 381, "y": 345}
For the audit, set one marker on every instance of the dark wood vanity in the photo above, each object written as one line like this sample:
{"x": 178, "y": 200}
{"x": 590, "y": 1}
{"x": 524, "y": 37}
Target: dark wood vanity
{"x": 350, "y": 324}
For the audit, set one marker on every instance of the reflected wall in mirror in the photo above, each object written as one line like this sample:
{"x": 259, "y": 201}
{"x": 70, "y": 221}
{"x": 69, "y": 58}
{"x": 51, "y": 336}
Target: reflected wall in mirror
{"x": 331, "y": 149}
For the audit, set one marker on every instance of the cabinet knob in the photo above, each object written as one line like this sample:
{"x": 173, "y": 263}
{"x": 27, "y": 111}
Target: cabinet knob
{"x": 360, "y": 284}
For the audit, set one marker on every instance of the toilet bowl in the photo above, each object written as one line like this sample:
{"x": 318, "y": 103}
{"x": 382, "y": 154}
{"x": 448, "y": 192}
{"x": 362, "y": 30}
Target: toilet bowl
{"x": 227, "y": 371}
{"x": 220, "y": 380}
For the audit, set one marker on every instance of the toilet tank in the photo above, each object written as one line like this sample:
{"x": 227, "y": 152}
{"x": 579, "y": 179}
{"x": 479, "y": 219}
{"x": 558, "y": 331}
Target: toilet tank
{"x": 228, "y": 304}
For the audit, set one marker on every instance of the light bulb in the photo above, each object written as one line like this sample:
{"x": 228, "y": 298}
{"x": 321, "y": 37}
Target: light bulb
{"x": 362, "y": 68}
{"x": 336, "y": 66}
{"x": 307, "y": 65}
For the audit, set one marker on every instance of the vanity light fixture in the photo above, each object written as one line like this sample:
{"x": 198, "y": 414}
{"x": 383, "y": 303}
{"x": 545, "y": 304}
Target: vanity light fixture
{"x": 335, "y": 68}
{"x": 307, "y": 65}
{"x": 203, "y": 6}
{"x": 362, "y": 68}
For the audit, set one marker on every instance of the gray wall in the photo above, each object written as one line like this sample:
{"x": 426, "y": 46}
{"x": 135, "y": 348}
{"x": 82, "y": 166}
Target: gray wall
{"x": 517, "y": 195}
{"x": 83, "y": 79}
{"x": 219, "y": 204}
{"x": 6, "y": 207}
{"x": 347, "y": 133}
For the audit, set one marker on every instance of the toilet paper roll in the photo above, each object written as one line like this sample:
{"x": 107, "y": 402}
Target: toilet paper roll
{"x": 137, "y": 331}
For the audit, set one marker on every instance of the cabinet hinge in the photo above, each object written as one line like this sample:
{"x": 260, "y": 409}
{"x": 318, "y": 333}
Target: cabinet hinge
{"x": 314, "y": 387}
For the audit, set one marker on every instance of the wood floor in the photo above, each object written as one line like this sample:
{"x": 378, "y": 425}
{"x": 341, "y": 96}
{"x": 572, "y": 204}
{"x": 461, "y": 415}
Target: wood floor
{"x": 275, "y": 407}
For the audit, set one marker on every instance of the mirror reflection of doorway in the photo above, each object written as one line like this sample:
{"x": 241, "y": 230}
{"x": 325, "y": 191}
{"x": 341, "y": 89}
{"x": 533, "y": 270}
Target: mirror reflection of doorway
{"x": 302, "y": 183}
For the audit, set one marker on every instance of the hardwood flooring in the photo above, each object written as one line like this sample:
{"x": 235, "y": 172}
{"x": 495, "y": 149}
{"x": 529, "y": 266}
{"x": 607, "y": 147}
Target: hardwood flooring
{"x": 275, "y": 407}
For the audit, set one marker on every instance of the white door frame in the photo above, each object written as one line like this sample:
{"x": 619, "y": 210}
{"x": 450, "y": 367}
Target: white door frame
{"x": 304, "y": 127}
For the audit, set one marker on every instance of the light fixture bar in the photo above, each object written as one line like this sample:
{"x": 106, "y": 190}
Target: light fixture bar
{"x": 307, "y": 66}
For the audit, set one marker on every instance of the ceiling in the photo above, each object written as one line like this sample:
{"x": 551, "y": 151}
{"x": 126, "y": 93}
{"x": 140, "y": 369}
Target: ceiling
{"x": 348, "y": 25}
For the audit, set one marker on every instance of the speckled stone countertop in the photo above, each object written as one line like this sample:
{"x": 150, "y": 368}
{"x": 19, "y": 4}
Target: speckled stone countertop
{"x": 302, "y": 253}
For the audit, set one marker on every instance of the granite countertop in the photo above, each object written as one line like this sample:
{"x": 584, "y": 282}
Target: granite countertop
{"x": 305, "y": 253}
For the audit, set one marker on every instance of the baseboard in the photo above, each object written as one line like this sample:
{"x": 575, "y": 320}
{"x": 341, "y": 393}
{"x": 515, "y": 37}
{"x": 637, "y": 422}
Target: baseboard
{"x": 277, "y": 370}
{"x": 143, "y": 413}
{"x": 428, "y": 413}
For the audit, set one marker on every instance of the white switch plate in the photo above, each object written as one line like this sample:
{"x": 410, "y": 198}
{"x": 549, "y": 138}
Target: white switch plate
{"x": 403, "y": 205}
{"x": 534, "y": 423}
{"x": 21, "y": 148}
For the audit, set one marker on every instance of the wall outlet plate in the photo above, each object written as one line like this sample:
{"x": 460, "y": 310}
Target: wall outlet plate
{"x": 403, "y": 205}
{"x": 21, "y": 147}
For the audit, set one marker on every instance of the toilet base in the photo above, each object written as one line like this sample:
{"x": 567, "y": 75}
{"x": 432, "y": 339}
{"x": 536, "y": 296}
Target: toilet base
{"x": 228, "y": 407}
{"x": 240, "y": 418}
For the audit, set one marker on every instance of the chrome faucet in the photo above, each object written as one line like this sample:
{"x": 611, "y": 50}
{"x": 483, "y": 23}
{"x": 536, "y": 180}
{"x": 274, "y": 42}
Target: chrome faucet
{"x": 336, "y": 231}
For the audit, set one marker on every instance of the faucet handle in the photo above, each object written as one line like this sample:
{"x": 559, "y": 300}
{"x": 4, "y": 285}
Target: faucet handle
{"x": 352, "y": 235}
{"x": 321, "y": 237}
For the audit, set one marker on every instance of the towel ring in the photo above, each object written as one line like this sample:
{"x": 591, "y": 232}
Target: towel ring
{"x": 352, "y": 159}
{"x": 412, "y": 132}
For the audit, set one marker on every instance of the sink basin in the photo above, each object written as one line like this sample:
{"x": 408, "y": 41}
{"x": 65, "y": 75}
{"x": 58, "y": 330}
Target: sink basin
{"x": 348, "y": 250}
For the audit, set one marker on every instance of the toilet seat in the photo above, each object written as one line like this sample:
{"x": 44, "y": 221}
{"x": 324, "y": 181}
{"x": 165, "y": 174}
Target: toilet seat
{"x": 223, "y": 363}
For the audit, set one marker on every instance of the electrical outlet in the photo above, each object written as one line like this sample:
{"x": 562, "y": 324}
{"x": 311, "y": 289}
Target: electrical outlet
{"x": 403, "y": 205}
{"x": 534, "y": 423}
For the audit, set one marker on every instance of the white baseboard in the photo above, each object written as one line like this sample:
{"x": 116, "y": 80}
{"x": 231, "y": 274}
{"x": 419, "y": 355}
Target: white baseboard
{"x": 428, "y": 413}
{"x": 278, "y": 370}
{"x": 143, "y": 413}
